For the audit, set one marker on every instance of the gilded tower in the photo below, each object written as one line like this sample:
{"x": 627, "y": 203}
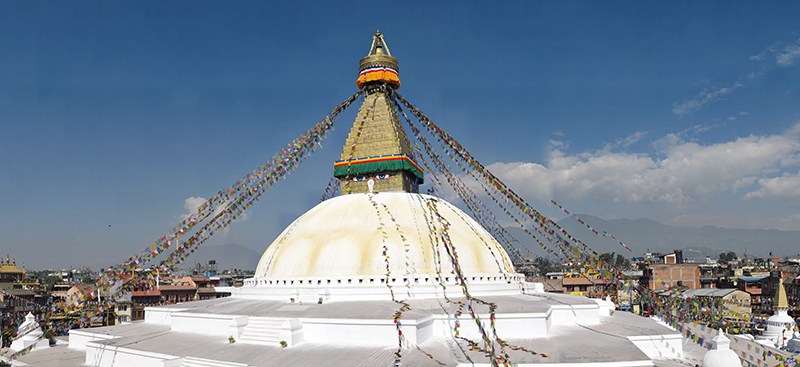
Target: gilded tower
{"x": 377, "y": 155}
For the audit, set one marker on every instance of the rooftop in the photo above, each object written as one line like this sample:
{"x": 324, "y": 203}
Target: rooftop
{"x": 753, "y": 279}
{"x": 709, "y": 292}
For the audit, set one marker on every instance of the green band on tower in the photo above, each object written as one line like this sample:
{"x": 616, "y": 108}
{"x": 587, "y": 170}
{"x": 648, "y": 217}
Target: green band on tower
{"x": 371, "y": 165}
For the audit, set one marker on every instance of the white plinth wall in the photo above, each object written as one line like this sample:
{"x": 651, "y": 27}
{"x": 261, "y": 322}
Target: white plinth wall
{"x": 330, "y": 330}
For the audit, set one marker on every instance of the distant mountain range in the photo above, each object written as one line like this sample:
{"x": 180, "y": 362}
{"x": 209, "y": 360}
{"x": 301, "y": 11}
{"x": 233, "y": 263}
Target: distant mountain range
{"x": 643, "y": 235}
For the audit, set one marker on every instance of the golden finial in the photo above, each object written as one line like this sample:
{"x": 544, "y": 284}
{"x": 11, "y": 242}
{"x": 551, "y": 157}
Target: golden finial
{"x": 379, "y": 66}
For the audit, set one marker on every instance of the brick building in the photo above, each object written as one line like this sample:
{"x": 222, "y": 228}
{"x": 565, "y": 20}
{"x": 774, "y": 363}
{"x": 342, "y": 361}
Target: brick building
{"x": 657, "y": 276}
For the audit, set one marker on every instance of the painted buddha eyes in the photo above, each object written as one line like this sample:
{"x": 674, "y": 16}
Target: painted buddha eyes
{"x": 380, "y": 176}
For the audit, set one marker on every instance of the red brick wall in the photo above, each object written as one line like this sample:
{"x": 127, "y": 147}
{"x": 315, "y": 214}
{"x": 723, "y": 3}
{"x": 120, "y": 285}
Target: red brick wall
{"x": 689, "y": 274}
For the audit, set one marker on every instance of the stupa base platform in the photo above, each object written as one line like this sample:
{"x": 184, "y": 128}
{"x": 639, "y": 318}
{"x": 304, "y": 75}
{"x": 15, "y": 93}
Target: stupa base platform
{"x": 570, "y": 330}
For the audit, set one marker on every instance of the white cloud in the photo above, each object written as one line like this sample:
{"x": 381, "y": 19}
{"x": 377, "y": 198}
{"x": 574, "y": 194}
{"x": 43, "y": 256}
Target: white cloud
{"x": 688, "y": 174}
{"x": 743, "y": 182}
{"x": 190, "y": 205}
{"x": 784, "y": 189}
{"x": 686, "y": 107}
{"x": 785, "y": 56}
{"x": 665, "y": 142}
{"x": 630, "y": 139}
{"x": 769, "y": 50}
{"x": 559, "y": 144}
{"x": 558, "y": 133}
{"x": 705, "y": 97}
{"x": 789, "y": 55}
{"x": 742, "y": 113}
{"x": 702, "y": 128}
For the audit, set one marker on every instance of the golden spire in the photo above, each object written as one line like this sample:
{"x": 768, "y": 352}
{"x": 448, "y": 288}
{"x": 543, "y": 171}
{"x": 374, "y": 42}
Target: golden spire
{"x": 782, "y": 302}
{"x": 377, "y": 156}
{"x": 379, "y": 66}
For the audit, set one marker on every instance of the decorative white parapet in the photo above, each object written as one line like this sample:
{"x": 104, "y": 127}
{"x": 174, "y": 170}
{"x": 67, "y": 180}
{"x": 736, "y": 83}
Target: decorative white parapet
{"x": 314, "y": 289}
{"x": 666, "y": 346}
{"x": 606, "y": 306}
{"x": 32, "y": 335}
{"x": 78, "y": 339}
{"x": 99, "y": 354}
{"x": 534, "y": 287}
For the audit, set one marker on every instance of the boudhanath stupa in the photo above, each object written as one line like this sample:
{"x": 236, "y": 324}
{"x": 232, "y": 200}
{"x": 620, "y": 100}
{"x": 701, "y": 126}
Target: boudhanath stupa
{"x": 380, "y": 275}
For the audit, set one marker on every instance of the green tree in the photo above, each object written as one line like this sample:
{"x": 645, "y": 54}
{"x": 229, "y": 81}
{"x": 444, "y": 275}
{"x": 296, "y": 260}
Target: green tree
{"x": 87, "y": 280}
{"x": 544, "y": 266}
{"x": 622, "y": 262}
{"x": 727, "y": 257}
{"x": 51, "y": 280}
{"x": 608, "y": 258}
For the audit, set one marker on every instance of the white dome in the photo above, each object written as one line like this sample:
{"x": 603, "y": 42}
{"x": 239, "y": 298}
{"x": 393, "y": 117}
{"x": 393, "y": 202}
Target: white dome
{"x": 776, "y": 327}
{"x": 336, "y": 251}
{"x": 345, "y": 236}
{"x": 721, "y": 355}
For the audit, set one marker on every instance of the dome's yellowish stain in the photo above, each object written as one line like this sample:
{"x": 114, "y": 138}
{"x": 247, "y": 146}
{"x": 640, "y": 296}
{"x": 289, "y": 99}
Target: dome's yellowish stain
{"x": 341, "y": 237}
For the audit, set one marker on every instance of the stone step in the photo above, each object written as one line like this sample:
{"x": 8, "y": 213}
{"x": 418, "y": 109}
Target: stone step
{"x": 202, "y": 362}
{"x": 264, "y": 331}
{"x": 255, "y": 336}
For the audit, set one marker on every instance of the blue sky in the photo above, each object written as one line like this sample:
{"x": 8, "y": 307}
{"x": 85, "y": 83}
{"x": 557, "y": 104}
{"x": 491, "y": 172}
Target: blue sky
{"x": 114, "y": 115}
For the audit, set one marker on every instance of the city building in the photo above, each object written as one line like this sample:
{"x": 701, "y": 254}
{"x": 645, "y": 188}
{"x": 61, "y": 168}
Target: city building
{"x": 582, "y": 286}
{"x": 657, "y": 276}
{"x": 10, "y": 274}
{"x": 718, "y": 300}
{"x": 123, "y": 309}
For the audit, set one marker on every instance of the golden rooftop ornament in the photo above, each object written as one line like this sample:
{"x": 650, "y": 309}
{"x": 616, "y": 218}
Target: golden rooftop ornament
{"x": 379, "y": 66}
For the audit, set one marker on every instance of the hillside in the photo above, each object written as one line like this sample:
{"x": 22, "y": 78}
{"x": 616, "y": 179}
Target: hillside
{"x": 642, "y": 235}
